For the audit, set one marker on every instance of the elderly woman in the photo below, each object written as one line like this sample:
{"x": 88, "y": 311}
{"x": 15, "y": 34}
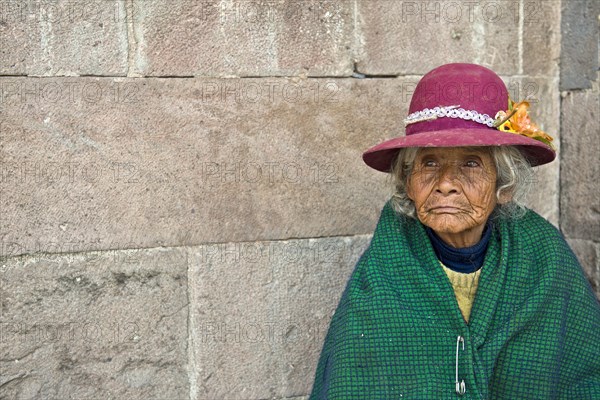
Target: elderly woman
{"x": 463, "y": 292}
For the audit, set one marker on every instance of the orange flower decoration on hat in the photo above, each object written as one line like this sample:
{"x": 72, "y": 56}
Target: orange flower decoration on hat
{"x": 516, "y": 120}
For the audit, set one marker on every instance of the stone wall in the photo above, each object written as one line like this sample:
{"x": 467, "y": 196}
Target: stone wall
{"x": 580, "y": 112}
{"x": 182, "y": 197}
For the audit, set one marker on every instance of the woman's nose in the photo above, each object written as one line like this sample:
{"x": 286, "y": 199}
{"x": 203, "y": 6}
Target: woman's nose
{"x": 447, "y": 182}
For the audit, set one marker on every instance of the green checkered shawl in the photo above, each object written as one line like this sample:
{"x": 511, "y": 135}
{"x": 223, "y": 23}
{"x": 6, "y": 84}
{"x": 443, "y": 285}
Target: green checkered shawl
{"x": 533, "y": 333}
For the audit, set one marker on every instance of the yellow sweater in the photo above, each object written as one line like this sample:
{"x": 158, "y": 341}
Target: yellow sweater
{"x": 465, "y": 287}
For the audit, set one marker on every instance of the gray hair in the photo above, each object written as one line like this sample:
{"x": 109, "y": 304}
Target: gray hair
{"x": 514, "y": 178}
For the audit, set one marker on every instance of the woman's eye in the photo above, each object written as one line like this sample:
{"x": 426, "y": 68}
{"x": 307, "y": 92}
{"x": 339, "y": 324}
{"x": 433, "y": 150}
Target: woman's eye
{"x": 472, "y": 164}
{"x": 429, "y": 163}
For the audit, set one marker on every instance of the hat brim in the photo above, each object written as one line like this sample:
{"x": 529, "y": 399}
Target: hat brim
{"x": 381, "y": 156}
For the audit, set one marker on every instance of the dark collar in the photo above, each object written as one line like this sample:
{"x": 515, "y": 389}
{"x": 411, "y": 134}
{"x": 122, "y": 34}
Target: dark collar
{"x": 465, "y": 260}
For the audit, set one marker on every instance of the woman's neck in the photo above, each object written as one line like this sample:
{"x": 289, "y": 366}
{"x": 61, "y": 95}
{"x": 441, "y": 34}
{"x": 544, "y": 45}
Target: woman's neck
{"x": 461, "y": 259}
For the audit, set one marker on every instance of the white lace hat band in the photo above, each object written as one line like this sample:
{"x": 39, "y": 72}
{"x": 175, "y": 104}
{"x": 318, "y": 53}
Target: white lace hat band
{"x": 449, "y": 112}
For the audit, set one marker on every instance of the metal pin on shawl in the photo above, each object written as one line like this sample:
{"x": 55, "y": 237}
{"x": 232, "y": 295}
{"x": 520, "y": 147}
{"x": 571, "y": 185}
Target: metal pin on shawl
{"x": 460, "y": 386}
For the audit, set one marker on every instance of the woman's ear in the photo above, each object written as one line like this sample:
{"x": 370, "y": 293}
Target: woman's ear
{"x": 409, "y": 191}
{"x": 505, "y": 197}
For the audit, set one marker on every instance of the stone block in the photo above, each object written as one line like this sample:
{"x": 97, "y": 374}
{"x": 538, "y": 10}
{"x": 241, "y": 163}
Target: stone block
{"x": 49, "y": 38}
{"x": 580, "y": 203}
{"x": 413, "y": 37}
{"x": 243, "y": 38}
{"x": 92, "y": 164}
{"x": 588, "y": 254}
{"x": 109, "y": 325}
{"x": 579, "y": 44}
{"x": 105, "y": 169}
{"x": 261, "y": 311}
{"x": 541, "y": 37}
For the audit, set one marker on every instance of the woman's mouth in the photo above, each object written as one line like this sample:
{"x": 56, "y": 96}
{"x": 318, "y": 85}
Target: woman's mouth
{"x": 445, "y": 209}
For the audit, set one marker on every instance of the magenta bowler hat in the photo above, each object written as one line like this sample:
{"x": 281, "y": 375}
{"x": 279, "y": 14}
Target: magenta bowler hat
{"x": 454, "y": 106}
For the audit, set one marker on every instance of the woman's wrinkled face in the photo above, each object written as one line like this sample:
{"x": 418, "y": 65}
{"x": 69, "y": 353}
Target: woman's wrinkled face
{"x": 454, "y": 191}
